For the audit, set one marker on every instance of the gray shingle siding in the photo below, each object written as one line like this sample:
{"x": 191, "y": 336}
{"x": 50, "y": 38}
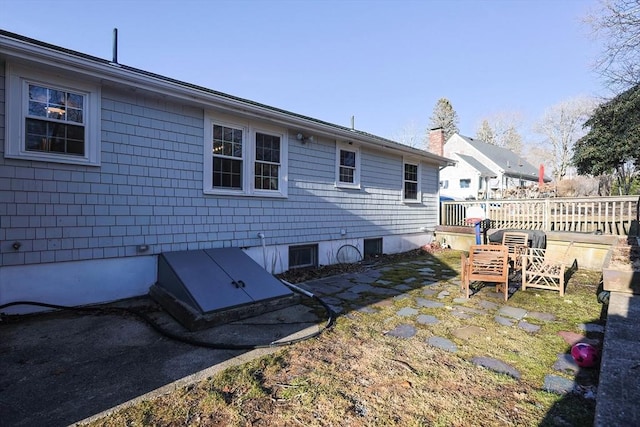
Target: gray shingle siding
{"x": 148, "y": 190}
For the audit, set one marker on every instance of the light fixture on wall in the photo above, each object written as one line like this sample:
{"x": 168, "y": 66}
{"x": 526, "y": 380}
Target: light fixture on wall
{"x": 304, "y": 139}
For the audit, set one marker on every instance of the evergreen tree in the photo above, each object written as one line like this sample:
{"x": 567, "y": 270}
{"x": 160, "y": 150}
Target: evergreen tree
{"x": 485, "y": 133}
{"x": 613, "y": 141}
{"x": 445, "y": 117}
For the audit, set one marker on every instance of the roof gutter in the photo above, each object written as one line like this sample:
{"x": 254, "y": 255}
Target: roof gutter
{"x": 25, "y": 49}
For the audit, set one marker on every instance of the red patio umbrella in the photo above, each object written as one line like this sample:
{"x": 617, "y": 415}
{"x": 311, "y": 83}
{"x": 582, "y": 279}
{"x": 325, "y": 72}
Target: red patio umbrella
{"x": 541, "y": 175}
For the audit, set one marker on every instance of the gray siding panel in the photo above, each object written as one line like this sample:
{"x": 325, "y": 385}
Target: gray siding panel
{"x": 148, "y": 190}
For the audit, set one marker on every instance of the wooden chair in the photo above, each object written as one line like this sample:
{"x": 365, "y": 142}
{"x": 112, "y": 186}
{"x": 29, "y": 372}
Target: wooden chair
{"x": 517, "y": 244}
{"x": 486, "y": 263}
{"x": 539, "y": 270}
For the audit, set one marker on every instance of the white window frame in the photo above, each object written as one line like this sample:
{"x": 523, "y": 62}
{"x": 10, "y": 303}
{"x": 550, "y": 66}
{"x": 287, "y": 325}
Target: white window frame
{"x": 348, "y": 146}
{"x": 17, "y": 93}
{"x": 249, "y": 131}
{"x": 418, "y": 198}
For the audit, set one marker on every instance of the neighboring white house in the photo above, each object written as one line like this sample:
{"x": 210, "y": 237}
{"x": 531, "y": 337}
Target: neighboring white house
{"x": 482, "y": 170}
{"x": 105, "y": 166}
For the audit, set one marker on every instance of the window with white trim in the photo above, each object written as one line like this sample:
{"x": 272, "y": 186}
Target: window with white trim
{"x": 243, "y": 159}
{"x": 53, "y": 119}
{"x": 411, "y": 182}
{"x": 465, "y": 183}
{"x": 347, "y": 166}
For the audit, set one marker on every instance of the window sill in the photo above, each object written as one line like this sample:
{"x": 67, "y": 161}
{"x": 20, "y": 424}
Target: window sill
{"x": 52, "y": 158}
{"x": 243, "y": 194}
{"x": 348, "y": 186}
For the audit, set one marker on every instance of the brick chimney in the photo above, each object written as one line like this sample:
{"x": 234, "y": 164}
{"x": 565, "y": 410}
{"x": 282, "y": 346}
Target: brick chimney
{"x": 436, "y": 141}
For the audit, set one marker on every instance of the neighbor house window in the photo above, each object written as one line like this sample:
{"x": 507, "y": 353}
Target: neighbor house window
{"x": 52, "y": 119}
{"x": 241, "y": 159}
{"x": 347, "y": 166}
{"x": 411, "y": 184}
{"x": 444, "y": 184}
{"x": 465, "y": 183}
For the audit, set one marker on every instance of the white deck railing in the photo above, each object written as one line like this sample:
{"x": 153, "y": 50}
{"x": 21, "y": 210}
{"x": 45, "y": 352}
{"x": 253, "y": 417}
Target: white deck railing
{"x": 609, "y": 215}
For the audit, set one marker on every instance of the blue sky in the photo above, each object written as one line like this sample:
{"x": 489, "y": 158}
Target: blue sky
{"x": 385, "y": 62}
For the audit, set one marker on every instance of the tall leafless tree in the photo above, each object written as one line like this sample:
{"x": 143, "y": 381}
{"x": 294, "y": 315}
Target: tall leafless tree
{"x": 561, "y": 126}
{"x": 501, "y": 129}
{"x": 616, "y": 23}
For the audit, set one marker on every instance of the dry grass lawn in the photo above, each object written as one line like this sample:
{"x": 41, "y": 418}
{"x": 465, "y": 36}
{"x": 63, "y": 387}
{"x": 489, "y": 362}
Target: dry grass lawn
{"x": 355, "y": 375}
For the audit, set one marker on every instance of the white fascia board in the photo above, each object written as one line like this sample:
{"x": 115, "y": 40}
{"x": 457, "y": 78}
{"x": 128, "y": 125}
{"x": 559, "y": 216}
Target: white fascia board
{"x": 113, "y": 72}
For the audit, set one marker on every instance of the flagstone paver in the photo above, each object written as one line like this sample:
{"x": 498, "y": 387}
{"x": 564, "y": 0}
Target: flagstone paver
{"x": 348, "y": 295}
{"x": 558, "y": 385}
{"x": 488, "y": 305}
{"x": 460, "y": 300}
{"x": 529, "y": 327}
{"x": 429, "y": 292}
{"x": 402, "y": 331}
{"x": 468, "y": 332}
{"x": 513, "y": 312}
{"x": 504, "y": 321}
{"x": 383, "y": 282}
{"x": 443, "y": 294}
{"x": 427, "y": 303}
{"x": 407, "y": 311}
{"x": 403, "y": 287}
{"x": 383, "y": 291}
{"x": 461, "y": 314}
{"x": 565, "y": 363}
{"x": 443, "y": 344}
{"x": 496, "y": 366}
{"x": 426, "y": 319}
{"x": 360, "y": 288}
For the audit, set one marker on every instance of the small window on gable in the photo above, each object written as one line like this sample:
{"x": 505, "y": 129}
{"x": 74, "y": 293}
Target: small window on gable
{"x": 465, "y": 183}
{"x": 347, "y": 166}
{"x": 52, "y": 119}
{"x": 411, "y": 183}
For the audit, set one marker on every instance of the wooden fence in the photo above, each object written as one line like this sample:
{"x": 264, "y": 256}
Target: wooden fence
{"x": 607, "y": 215}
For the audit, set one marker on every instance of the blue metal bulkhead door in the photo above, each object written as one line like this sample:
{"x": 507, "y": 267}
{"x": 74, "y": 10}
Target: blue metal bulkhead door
{"x": 255, "y": 280}
{"x": 208, "y": 285}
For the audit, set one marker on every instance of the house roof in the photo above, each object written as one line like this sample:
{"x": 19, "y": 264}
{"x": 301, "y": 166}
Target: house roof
{"x": 485, "y": 172}
{"x": 24, "y": 48}
{"x": 513, "y": 165}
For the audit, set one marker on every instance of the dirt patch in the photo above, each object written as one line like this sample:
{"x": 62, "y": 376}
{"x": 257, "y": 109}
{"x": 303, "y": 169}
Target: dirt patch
{"x": 626, "y": 255}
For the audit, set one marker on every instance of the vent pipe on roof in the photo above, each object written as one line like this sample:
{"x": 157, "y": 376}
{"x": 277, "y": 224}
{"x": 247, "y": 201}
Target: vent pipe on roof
{"x": 115, "y": 46}
{"x": 353, "y": 122}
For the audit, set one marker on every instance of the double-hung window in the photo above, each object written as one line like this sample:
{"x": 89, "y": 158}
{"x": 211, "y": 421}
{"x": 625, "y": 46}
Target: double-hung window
{"x": 52, "y": 119}
{"x": 243, "y": 159}
{"x": 228, "y": 157}
{"x": 411, "y": 183}
{"x": 347, "y": 166}
{"x": 267, "y": 162}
